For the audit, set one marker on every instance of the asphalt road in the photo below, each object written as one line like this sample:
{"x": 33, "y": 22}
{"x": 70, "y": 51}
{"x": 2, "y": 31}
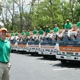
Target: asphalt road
{"x": 27, "y": 67}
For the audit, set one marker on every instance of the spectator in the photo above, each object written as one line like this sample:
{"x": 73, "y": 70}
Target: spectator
{"x": 35, "y": 31}
{"x": 47, "y": 30}
{"x": 23, "y": 33}
{"x": 68, "y": 25}
{"x": 28, "y": 33}
{"x": 56, "y": 28}
{"x": 40, "y": 32}
{"x": 12, "y": 34}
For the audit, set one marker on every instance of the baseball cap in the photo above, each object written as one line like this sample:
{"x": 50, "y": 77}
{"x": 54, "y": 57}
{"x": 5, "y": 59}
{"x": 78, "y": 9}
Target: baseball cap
{"x": 3, "y": 29}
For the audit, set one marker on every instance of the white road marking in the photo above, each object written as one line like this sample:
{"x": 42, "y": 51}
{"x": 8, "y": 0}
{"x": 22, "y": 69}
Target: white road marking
{"x": 62, "y": 69}
{"x": 47, "y": 62}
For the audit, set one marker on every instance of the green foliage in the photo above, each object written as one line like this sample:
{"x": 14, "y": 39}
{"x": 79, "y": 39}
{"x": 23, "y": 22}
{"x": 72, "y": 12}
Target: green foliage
{"x": 0, "y": 8}
{"x": 46, "y": 13}
{"x": 50, "y": 12}
{"x": 77, "y": 8}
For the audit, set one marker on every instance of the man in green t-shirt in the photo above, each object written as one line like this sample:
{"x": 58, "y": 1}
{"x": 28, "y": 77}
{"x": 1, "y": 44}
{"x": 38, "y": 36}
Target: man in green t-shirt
{"x": 28, "y": 33}
{"x": 16, "y": 34}
{"x": 68, "y": 25}
{"x": 78, "y": 24}
{"x": 35, "y": 31}
{"x": 5, "y": 49}
{"x": 47, "y": 30}
{"x": 56, "y": 28}
{"x": 40, "y": 32}
{"x": 12, "y": 34}
{"x": 23, "y": 33}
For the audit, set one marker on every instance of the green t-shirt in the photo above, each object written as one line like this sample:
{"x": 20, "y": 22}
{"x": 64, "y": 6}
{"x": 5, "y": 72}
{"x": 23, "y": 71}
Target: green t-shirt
{"x": 34, "y": 31}
{"x": 40, "y": 32}
{"x": 16, "y": 34}
{"x": 12, "y": 34}
{"x": 56, "y": 29}
{"x": 28, "y": 33}
{"x": 5, "y": 49}
{"x": 47, "y": 30}
{"x": 23, "y": 33}
{"x": 68, "y": 26}
{"x": 78, "y": 24}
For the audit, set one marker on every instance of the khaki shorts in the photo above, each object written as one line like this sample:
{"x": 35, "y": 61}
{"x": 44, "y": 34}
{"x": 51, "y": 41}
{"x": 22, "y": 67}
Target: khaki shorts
{"x": 4, "y": 71}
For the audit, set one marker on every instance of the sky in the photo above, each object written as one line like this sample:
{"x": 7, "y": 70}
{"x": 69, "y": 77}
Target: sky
{"x": 27, "y": 1}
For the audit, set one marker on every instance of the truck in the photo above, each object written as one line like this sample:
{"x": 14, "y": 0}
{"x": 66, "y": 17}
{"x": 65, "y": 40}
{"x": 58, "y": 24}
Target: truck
{"x": 47, "y": 47}
{"x": 22, "y": 45}
{"x": 68, "y": 49}
{"x": 33, "y": 46}
{"x": 13, "y": 44}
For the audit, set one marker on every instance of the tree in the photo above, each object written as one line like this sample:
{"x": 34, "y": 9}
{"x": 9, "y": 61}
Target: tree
{"x": 0, "y": 8}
